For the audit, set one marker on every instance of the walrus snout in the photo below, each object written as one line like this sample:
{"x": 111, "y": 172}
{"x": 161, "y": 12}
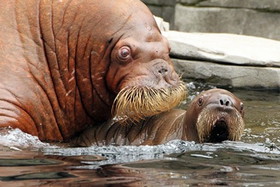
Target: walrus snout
{"x": 165, "y": 73}
{"x": 225, "y": 101}
{"x": 223, "y": 104}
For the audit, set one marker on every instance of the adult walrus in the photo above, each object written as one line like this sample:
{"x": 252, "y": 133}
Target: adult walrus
{"x": 63, "y": 63}
{"x": 213, "y": 116}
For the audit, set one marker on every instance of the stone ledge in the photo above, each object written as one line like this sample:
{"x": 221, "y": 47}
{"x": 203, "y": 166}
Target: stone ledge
{"x": 268, "y": 5}
{"x": 226, "y": 60}
{"x": 225, "y": 48}
{"x": 163, "y": 25}
{"x": 160, "y": 2}
{"x": 229, "y": 75}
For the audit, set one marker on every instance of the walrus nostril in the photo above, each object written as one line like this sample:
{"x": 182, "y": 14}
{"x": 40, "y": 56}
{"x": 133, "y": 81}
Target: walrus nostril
{"x": 163, "y": 71}
{"x": 225, "y": 102}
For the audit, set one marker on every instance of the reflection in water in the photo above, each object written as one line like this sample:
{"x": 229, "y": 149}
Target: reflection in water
{"x": 175, "y": 163}
{"x": 37, "y": 176}
{"x": 25, "y": 161}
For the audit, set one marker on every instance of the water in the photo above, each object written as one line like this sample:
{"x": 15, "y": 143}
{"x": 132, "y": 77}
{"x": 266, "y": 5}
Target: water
{"x": 254, "y": 161}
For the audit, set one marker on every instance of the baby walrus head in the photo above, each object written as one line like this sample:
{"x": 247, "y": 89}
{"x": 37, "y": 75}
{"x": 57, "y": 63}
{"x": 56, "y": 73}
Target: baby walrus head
{"x": 216, "y": 115}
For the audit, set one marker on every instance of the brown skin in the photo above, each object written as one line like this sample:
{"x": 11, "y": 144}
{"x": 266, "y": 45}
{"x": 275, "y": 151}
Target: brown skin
{"x": 214, "y": 108}
{"x": 62, "y": 63}
{"x": 227, "y": 124}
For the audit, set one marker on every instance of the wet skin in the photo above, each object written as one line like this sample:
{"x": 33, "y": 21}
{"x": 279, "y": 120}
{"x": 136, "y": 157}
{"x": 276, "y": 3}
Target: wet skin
{"x": 213, "y": 116}
{"x": 62, "y": 63}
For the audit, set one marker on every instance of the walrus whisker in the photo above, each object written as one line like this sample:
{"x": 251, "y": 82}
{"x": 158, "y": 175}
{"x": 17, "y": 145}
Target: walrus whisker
{"x": 239, "y": 129}
{"x": 207, "y": 120}
{"x": 136, "y": 103}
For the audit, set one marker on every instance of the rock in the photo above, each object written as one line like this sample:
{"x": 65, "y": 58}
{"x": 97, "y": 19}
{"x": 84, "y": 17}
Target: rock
{"x": 221, "y": 18}
{"x": 229, "y": 75}
{"x": 163, "y": 25}
{"x": 248, "y": 17}
{"x": 189, "y": 2}
{"x": 160, "y": 2}
{"x": 225, "y": 48}
{"x": 226, "y": 59}
{"x": 267, "y": 5}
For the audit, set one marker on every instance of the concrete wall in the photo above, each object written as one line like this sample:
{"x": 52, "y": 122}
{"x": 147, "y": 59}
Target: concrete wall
{"x": 247, "y": 17}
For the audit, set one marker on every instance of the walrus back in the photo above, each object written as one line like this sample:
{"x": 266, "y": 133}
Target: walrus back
{"x": 30, "y": 80}
{"x": 54, "y": 60}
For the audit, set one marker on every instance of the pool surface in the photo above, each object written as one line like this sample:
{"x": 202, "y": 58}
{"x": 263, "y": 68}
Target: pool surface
{"x": 254, "y": 161}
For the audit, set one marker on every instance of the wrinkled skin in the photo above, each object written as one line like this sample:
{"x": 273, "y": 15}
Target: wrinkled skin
{"x": 226, "y": 123}
{"x": 62, "y": 63}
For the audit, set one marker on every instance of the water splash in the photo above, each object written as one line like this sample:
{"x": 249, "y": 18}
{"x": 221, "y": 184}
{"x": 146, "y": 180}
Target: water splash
{"x": 128, "y": 154}
{"x": 16, "y": 139}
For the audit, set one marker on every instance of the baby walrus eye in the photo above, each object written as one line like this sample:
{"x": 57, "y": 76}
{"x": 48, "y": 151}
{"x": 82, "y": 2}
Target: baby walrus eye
{"x": 241, "y": 107}
{"x": 200, "y": 102}
{"x": 124, "y": 53}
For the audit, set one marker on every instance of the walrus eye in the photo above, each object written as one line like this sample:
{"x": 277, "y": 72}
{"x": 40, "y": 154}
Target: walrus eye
{"x": 241, "y": 106}
{"x": 200, "y": 101}
{"x": 124, "y": 53}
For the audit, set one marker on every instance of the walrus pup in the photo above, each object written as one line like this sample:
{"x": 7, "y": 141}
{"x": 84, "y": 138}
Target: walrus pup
{"x": 64, "y": 63}
{"x": 213, "y": 116}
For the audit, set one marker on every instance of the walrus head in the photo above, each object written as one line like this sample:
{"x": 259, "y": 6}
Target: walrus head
{"x": 118, "y": 60}
{"x": 141, "y": 73}
{"x": 218, "y": 116}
